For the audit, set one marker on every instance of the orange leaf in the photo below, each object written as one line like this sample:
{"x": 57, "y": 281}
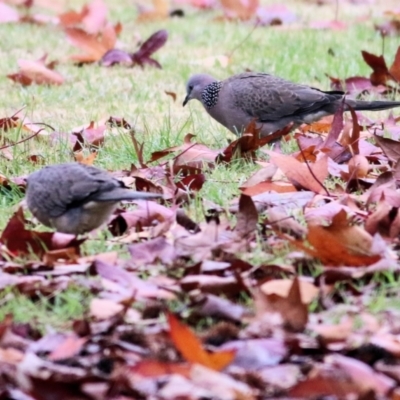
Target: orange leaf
{"x": 36, "y": 72}
{"x": 160, "y": 10}
{"x": 242, "y": 9}
{"x": 94, "y": 46}
{"x": 299, "y": 174}
{"x": 89, "y": 160}
{"x": 155, "y": 368}
{"x": 191, "y": 348}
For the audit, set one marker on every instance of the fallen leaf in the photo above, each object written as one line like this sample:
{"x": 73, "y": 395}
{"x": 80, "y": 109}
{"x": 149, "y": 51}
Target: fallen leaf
{"x": 299, "y": 174}
{"x": 191, "y": 348}
{"x": 37, "y": 72}
{"x": 94, "y": 46}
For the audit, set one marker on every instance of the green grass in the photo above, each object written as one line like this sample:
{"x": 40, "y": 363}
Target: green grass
{"x": 92, "y": 92}
{"x": 56, "y": 311}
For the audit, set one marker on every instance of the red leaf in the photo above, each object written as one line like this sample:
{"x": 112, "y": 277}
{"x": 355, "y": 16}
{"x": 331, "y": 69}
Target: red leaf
{"x": 21, "y": 241}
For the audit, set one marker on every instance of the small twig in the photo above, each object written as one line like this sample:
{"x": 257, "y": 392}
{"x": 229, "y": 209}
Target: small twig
{"x": 311, "y": 171}
{"x": 17, "y": 112}
{"x": 22, "y": 140}
{"x": 336, "y": 10}
{"x": 40, "y": 123}
{"x": 244, "y": 40}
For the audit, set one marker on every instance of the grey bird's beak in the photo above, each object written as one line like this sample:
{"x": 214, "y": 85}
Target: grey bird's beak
{"x": 187, "y": 98}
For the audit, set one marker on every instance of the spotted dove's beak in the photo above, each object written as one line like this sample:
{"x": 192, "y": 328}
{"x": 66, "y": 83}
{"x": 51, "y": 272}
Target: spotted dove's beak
{"x": 186, "y": 100}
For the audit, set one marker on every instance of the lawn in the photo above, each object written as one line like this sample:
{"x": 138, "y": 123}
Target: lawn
{"x": 64, "y": 301}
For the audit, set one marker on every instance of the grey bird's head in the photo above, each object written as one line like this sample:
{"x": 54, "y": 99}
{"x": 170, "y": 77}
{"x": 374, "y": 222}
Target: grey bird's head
{"x": 196, "y": 85}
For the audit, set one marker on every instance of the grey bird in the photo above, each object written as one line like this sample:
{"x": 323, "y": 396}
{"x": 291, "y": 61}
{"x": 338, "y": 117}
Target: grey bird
{"x": 270, "y": 101}
{"x": 76, "y": 198}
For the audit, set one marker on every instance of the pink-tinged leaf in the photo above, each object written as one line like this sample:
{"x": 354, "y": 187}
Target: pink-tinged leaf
{"x": 336, "y": 128}
{"x": 95, "y": 16}
{"x": 275, "y": 14}
{"x": 37, "y": 72}
{"x": 115, "y": 56}
{"x": 148, "y": 48}
{"x": 299, "y": 174}
{"x": 333, "y": 25}
{"x": 8, "y": 14}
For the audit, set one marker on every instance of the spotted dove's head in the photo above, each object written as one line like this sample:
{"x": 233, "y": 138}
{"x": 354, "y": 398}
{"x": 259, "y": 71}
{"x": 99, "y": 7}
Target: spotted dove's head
{"x": 196, "y": 85}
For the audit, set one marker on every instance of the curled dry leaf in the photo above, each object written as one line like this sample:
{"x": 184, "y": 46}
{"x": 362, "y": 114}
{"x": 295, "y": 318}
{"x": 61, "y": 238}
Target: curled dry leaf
{"x": 92, "y": 18}
{"x": 358, "y": 167}
{"x": 94, "y": 46}
{"x": 281, "y": 287}
{"x": 239, "y": 9}
{"x": 38, "y": 72}
{"x": 290, "y": 306}
{"x": 191, "y": 348}
{"x": 158, "y": 10}
{"x": 310, "y": 177}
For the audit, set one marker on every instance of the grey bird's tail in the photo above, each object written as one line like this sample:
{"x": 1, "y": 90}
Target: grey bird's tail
{"x": 125, "y": 194}
{"x": 361, "y": 105}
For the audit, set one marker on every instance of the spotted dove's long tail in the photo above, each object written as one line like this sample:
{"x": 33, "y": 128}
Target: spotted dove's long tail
{"x": 361, "y": 105}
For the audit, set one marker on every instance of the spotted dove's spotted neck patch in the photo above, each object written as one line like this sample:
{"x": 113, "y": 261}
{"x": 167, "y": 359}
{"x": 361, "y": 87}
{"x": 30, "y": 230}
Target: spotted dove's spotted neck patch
{"x": 210, "y": 94}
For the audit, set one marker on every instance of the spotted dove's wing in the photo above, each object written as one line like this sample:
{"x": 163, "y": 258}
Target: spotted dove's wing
{"x": 269, "y": 98}
{"x": 56, "y": 189}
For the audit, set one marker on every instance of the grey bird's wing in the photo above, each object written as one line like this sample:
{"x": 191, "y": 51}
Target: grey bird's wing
{"x": 56, "y": 189}
{"x": 270, "y": 98}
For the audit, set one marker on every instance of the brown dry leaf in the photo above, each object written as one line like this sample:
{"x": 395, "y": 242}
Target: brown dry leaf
{"x": 299, "y": 174}
{"x": 171, "y": 94}
{"x": 159, "y": 10}
{"x": 155, "y": 368}
{"x": 341, "y": 243}
{"x": 221, "y": 385}
{"x": 247, "y": 217}
{"x": 262, "y": 187}
{"x": 90, "y": 136}
{"x": 364, "y": 376}
{"x": 281, "y": 287}
{"x": 69, "y": 348}
{"x": 333, "y": 333}
{"x": 191, "y": 154}
{"x": 104, "y": 308}
{"x": 87, "y": 160}
{"x": 191, "y": 348}
{"x": 290, "y": 306}
{"x": 94, "y": 46}
{"x": 246, "y": 146}
{"x": 390, "y": 147}
{"x": 92, "y": 17}
{"x": 358, "y": 167}
{"x": 240, "y": 9}
{"x": 323, "y": 381}
{"x": 37, "y": 72}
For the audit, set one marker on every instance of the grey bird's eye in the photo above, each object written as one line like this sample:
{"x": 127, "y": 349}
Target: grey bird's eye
{"x": 190, "y": 87}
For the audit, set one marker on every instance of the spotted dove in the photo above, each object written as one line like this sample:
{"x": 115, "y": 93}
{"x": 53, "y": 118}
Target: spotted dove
{"x": 76, "y": 198}
{"x": 270, "y": 101}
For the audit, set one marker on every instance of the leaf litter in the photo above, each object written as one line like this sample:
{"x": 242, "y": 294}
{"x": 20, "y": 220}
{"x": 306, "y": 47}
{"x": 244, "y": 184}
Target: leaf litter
{"x": 189, "y": 312}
